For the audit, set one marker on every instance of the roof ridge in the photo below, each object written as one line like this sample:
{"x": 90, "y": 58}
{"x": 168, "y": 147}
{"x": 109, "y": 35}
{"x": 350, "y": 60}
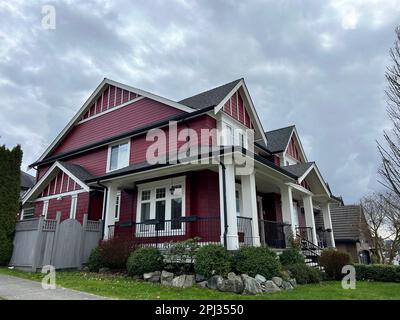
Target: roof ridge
{"x": 293, "y": 125}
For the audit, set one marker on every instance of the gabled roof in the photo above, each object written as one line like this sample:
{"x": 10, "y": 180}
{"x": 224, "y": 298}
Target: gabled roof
{"x": 278, "y": 139}
{"x": 26, "y": 180}
{"x": 299, "y": 169}
{"x": 210, "y": 97}
{"x": 80, "y": 172}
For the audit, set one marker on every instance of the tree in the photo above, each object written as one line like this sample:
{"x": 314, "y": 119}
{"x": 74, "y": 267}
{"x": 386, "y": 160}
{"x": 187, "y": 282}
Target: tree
{"x": 10, "y": 166}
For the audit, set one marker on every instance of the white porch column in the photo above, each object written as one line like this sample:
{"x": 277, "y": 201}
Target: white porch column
{"x": 232, "y": 238}
{"x": 249, "y": 200}
{"x": 309, "y": 215}
{"x": 287, "y": 207}
{"x": 109, "y": 219}
{"x": 326, "y": 214}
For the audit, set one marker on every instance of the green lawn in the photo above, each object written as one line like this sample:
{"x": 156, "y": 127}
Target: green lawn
{"x": 121, "y": 287}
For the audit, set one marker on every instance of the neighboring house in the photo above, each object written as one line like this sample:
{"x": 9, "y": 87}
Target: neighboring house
{"x": 351, "y": 232}
{"x": 27, "y": 182}
{"x": 102, "y": 164}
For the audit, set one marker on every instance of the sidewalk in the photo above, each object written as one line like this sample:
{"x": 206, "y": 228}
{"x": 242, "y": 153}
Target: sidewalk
{"x": 13, "y": 288}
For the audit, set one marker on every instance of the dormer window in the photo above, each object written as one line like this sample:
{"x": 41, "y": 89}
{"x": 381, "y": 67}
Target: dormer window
{"x": 118, "y": 156}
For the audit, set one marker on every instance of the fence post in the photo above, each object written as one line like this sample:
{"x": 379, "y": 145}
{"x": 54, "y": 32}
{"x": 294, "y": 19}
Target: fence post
{"x": 55, "y": 239}
{"x": 83, "y": 237}
{"x": 36, "y": 255}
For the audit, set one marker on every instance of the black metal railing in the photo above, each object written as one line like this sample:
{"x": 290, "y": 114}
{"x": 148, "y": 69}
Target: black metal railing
{"x": 157, "y": 232}
{"x": 245, "y": 231}
{"x": 322, "y": 237}
{"x": 272, "y": 233}
{"x": 305, "y": 233}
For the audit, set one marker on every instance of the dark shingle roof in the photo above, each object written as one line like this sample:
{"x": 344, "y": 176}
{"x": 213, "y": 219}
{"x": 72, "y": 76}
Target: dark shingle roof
{"x": 211, "y": 97}
{"x": 298, "y": 169}
{"x": 80, "y": 172}
{"x": 278, "y": 139}
{"x": 27, "y": 181}
{"x": 346, "y": 222}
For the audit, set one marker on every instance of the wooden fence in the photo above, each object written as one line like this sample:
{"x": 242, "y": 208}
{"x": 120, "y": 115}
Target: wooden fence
{"x": 67, "y": 244}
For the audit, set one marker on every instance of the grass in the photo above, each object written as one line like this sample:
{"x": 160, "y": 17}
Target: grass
{"x": 120, "y": 287}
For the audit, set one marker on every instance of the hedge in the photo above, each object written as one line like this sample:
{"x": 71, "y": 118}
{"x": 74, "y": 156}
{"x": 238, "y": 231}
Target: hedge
{"x": 378, "y": 272}
{"x": 333, "y": 261}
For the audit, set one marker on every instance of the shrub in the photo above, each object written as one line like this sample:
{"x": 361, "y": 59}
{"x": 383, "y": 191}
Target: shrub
{"x": 378, "y": 272}
{"x": 333, "y": 262}
{"x": 182, "y": 254}
{"x": 212, "y": 259}
{"x": 304, "y": 274}
{"x": 95, "y": 263}
{"x": 257, "y": 260}
{"x": 291, "y": 256}
{"x": 144, "y": 260}
{"x": 114, "y": 253}
{"x": 6, "y": 248}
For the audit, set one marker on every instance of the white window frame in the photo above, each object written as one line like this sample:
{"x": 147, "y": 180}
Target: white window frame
{"x": 23, "y": 212}
{"x": 45, "y": 208}
{"x": 237, "y": 128}
{"x": 109, "y": 154}
{"x": 117, "y": 206}
{"x": 74, "y": 205}
{"x": 152, "y": 186}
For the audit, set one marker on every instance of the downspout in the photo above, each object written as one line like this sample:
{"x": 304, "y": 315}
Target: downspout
{"x": 224, "y": 201}
{"x": 103, "y": 216}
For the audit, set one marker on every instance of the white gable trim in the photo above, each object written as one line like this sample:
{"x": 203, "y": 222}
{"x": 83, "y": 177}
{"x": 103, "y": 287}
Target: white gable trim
{"x": 94, "y": 95}
{"x": 257, "y": 125}
{"x": 44, "y": 179}
{"x": 315, "y": 168}
{"x": 303, "y": 154}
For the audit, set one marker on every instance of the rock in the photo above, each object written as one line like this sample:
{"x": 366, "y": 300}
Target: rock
{"x": 183, "y": 281}
{"x": 202, "y": 284}
{"x": 261, "y": 279}
{"x": 234, "y": 284}
{"x": 104, "y": 270}
{"x": 200, "y": 278}
{"x": 286, "y": 285}
{"x": 277, "y": 281}
{"x": 251, "y": 285}
{"x": 166, "y": 278}
{"x": 213, "y": 282}
{"x": 293, "y": 282}
{"x": 152, "y": 276}
{"x": 85, "y": 269}
{"x": 270, "y": 286}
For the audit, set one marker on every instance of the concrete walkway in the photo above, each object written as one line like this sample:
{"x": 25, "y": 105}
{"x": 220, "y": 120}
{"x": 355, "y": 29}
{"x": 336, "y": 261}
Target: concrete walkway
{"x": 13, "y": 288}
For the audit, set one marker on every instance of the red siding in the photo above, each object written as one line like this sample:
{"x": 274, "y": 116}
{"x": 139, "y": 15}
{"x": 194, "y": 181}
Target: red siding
{"x": 235, "y": 108}
{"x": 293, "y": 150}
{"x": 133, "y": 116}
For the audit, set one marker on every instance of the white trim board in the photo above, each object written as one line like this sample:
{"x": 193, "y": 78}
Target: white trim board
{"x": 303, "y": 154}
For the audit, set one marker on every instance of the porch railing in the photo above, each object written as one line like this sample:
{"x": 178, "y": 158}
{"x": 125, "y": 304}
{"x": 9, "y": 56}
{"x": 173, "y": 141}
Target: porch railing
{"x": 245, "y": 232}
{"x": 305, "y": 233}
{"x": 160, "y": 233}
{"x": 272, "y": 233}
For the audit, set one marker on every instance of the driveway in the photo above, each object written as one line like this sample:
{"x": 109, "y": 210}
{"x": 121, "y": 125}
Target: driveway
{"x": 13, "y": 288}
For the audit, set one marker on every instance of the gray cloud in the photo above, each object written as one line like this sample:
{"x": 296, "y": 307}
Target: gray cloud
{"x": 319, "y": 65}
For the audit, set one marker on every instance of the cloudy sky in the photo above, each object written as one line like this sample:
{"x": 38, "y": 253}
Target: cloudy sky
{"x": 317, "y": 64}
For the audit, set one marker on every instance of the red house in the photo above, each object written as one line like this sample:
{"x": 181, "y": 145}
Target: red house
{"x": 158, "y": 170}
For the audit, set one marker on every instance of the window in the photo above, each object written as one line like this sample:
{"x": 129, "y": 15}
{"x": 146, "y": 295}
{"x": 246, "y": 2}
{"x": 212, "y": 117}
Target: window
{"x": 74, "y": 202}
{"x": 117, "y": 206}
{"x": 162, "y": 201}
{"x": 118, "y": 156}
{"x": 229, "y": 136}
{"x": 28, "y": 213}
{"x": 45, "y": 208}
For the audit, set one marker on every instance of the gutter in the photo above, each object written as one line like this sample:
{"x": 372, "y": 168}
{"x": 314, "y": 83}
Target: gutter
{"x": 224, "y": 201}
{"x": 160, "y": 124}
{"x": 105, "y": 207}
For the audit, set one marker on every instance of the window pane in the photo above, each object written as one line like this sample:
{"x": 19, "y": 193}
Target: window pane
{"x": 123, "y": 155}
{"x": 229, "y": 135}
{"x": 176, "y": 213}
{"x": 237, "y": 202}
{"x": 145, "y": 195}
{"x": 160, "y": 193}
{"x": 29, "y": 213}
{"x": 117, "y": 206}
{"x": 160, "y": 214}
{"x": 177, "y": 190}
{"x": 145, "y": 212}
{"x": 114, "y": 158}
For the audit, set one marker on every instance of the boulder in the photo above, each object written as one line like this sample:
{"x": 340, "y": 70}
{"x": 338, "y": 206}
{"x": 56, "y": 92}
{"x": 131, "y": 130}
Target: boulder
{"x": 183, "y": 281}
{"x": 166, "y": 278}
{"x": 85, "y": 269}
{"x": 261, "y": 279}
{"x": 286, "y": 285}
{"x": 234, "y": 284}
{"x": 152, "y": 276}
{"x": 213, "y": 282}
{"x": 202, "y": 284}
{"x": 277, "y": 281}
{"x": 251, "y": 285}
{"x": 200, "y": 278}
{"x": 293, "y": 282}
{"x": 104, "y": 270}
{"x": 270, "y": 286}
